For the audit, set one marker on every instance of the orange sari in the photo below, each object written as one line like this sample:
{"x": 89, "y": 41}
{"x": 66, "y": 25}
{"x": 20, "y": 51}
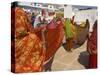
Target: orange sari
{"x": 29, "y": 54}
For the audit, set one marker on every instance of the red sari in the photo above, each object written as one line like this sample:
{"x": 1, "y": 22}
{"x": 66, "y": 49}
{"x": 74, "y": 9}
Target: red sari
{"x": 53, "y": 37}
{"x": 92, "y": 48}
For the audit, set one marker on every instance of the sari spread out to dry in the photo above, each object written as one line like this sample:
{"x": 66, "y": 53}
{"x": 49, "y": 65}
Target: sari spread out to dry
{"x": 27, "y": 51}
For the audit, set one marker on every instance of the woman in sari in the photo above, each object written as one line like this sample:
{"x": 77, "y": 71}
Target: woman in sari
{"x": 28, "y": 55}
{"x": 70, "y": 33}
{"x": 92, "y": 47}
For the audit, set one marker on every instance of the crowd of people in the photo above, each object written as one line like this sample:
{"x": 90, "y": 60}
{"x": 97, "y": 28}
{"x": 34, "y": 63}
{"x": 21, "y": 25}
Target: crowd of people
{"x": 31, "y": 44}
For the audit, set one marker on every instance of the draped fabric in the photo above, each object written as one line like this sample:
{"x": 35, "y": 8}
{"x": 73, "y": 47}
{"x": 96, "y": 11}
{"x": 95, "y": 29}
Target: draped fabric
{"x": 92, "y": 61}
{"x": 69, "y": 29}
{"x": 53, "y": 37}
{"x": 52, "y": 25}
{"x": 22, "y": 24}
{"x": 29, "y": 54}
{"x": 92, "y": 47}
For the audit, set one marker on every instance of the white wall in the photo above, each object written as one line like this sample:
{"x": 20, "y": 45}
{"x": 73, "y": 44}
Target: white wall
{"x": 90, "y": 14}
{"x": 68, "y": 13}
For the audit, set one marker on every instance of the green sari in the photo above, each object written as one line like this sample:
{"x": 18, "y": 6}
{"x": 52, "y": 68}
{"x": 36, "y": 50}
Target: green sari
{"x": 67, "y": 29}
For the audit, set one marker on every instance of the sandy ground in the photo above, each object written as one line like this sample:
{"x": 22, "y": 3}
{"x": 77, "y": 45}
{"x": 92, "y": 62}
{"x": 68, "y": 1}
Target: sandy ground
{"x": 75, "y": 60}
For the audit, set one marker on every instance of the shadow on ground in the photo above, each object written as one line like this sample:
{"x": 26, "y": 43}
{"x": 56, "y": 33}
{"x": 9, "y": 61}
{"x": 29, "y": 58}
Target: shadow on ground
{"x": 83, "y": 59}
{"x": 74, "y": 46}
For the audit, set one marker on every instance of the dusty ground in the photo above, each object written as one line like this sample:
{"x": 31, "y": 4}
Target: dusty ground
{"x": 75, "y": 60}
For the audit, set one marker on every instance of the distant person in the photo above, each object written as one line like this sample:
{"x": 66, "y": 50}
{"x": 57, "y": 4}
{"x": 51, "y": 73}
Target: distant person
{"x": 37, "y": 19}
{"x": 33, "y": 18}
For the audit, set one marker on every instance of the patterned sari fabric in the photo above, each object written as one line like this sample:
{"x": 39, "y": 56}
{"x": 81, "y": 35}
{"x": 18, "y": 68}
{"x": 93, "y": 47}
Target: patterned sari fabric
{"x": 22, "y": 26}
{"x": 29, "y": 53}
